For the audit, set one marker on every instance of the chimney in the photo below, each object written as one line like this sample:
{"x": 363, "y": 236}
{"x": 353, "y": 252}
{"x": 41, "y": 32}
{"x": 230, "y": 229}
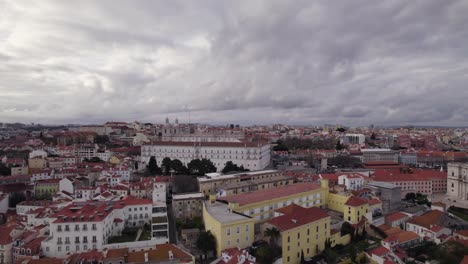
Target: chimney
{"x": 146, "y": 256}
{"x": 171, "y": 255}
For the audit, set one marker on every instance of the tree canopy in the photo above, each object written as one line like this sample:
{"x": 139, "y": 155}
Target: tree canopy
{"x": 230, "y": 166}
{"x": 206, "y": 242}
{"x": 201, "y": 167}
{"x": 153, "y": 166}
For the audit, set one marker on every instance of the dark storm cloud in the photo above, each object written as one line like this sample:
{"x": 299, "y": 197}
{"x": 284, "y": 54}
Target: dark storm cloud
{"x": 352, "y": 62}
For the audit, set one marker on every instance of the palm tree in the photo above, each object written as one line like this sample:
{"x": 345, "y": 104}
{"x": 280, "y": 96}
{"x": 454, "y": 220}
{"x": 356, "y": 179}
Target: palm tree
{"x": 273, "y": 233}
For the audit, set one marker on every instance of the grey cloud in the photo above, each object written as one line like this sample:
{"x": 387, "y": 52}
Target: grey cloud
{"x": 389, "y": 62}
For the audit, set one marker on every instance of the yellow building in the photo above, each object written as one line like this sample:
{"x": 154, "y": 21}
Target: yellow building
{"x": 355, "y": 209}
{"x": 37, "y": 163}
{"x": 261, "y": 204}
{"x": 114, "y": 160}
{"x": 230, "y": 229}
{"x": 336, "y": 201}
{"x": 302, "y": 230}
{"x": 337, "y": 239}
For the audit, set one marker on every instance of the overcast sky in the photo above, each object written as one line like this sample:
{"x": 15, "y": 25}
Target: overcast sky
{"x": 299, "y": 62}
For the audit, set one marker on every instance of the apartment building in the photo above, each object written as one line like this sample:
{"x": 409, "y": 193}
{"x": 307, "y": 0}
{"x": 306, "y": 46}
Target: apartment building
{"x": 188, "y": 205}
{"x": 83, "y": 226}
{"x": 302, "y": 231}
{"x": 230, "y": 228}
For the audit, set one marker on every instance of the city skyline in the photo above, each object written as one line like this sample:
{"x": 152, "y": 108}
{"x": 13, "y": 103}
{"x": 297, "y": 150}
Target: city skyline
{"x": 242, "y": 62}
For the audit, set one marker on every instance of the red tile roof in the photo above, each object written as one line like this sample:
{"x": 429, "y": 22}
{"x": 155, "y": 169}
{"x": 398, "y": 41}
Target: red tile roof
{"x": 380, "y": 251}
{"x": 298, "y": 216}
{"x": 288, "y": 209}
{"x": 355, "y": 201}
{"x": 464, "y": 260}
{"x": 428, "y": 219}
{"x": 462, "y": 232}
{"x": 395, "y": 216}
{"x": 374, "y": 201}
{"x": 270, "y": 194}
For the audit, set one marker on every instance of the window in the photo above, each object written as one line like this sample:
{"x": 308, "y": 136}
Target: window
{"x": 247, "y": 228}
{"x": 238, "y": 230}
{"x": 228, "y": 231}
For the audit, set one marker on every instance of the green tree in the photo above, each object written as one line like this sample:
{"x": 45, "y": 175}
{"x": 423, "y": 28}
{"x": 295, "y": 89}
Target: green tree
{"x": 153, "y": 166}
{"x": 339, "y": 146}
{"x": 195, "y": 167}
{"x": 166, "y": 166}
{"x": 178, "y": 167}
{"x": 230, "y": 166}
{"x": 341, "y": 129}
{"x": 273, "y": 234}
{"x": 265, "y": 255}
{"x": 347, "y": 228}
{"x": 4, "y": 170}
{"x": 208, "y": 166}
{"x": 206, "y": 242}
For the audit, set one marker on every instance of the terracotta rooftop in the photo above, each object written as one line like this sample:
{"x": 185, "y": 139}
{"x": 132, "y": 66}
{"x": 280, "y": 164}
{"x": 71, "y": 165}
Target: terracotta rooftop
{"x": 298, "y": 216}
{"x": 464, "y": 260}
{"x": 395, "y": 216}
{"x": 270, "y": 194}
{"x": 427, "y": 219}
{"x": 462, "y": 232}
{"x": 402, "y": 237}
{"x": 374, "y": 201}
{"x": 355, "y": 201}
{"x": 380, "y": 251}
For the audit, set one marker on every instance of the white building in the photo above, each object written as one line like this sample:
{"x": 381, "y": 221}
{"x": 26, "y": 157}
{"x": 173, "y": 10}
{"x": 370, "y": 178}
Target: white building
{"x": 38, "y": 153}
{"x": 86, "y": 151}
{"x": 123, "y": 171}
{"x": 354, "y": 139}
{"x": 457, "y": 180}
{"x": 159, "y": 223}
{"x": 89, "y": 225}
{"x": 253, "y": 156}
{"x": 159, "y": 192}
{"x": 43, "y": 174}
{"x": 351, "y": 181}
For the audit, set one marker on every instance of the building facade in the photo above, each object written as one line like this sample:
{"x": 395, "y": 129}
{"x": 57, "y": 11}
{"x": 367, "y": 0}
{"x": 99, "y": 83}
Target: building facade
{"x": 253, "y": 156}
{"x": 187, "y": 205}
{"x": 457, "y": 180}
